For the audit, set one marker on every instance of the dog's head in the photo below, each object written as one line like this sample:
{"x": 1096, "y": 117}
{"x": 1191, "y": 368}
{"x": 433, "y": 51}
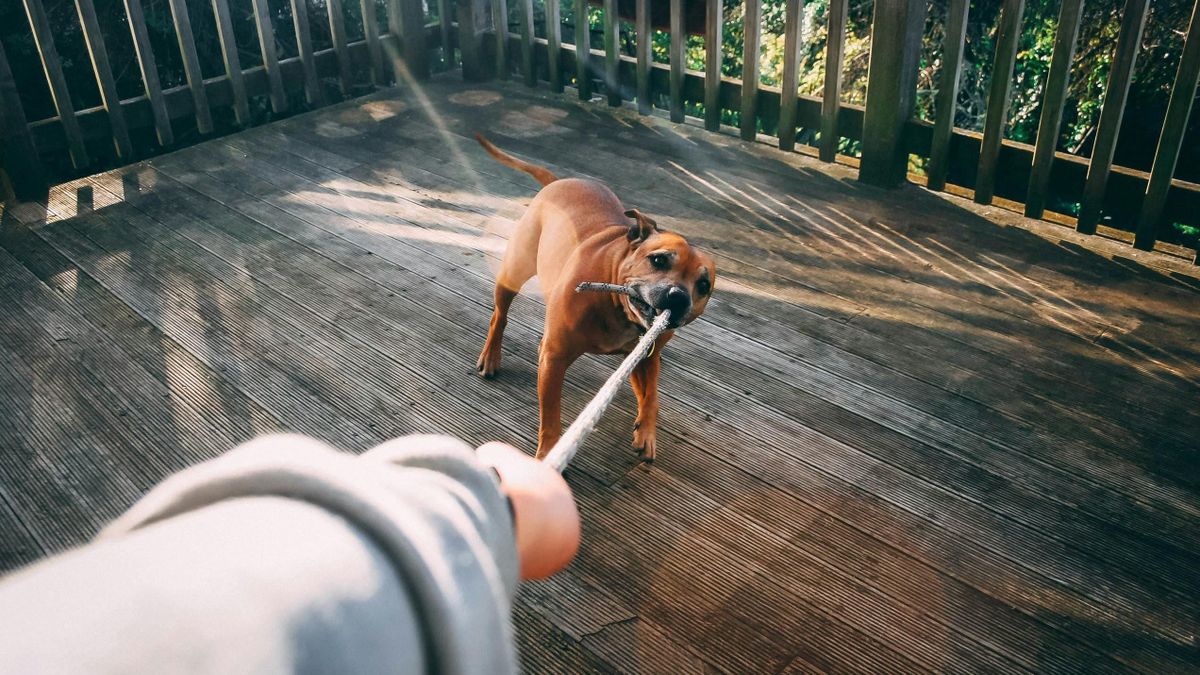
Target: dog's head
{"x": 666, "y": 273}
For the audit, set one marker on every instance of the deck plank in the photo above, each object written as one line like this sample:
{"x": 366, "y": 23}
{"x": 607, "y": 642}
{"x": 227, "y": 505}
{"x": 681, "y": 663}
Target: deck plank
{"x": 236, "y": 178}
{"x": 375, "y": 141}
{"x": 1005, "y": 330}
{"x": 989, "y": 330}
{"x": 261, "y": 169}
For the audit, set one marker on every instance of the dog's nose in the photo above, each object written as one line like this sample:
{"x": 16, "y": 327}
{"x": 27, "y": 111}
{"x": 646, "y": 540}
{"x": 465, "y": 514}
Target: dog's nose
{"x": 679, "y": 301}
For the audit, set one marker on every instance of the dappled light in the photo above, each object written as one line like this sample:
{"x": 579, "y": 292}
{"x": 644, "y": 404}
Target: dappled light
{"x": 905, "y": 430}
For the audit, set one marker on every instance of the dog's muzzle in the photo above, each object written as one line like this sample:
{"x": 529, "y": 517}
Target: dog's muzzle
{"x": 678, "y": 301}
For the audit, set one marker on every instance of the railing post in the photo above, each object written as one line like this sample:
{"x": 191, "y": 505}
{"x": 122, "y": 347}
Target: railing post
{"x": 412, "y": 27}
{"x": 474, "y": 17}
{"x": 891, "y": 90}
{"x": 18, "y": 155}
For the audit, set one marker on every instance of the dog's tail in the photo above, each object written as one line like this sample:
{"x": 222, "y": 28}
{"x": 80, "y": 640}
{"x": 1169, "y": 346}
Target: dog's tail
{"x": 539, "y": 173}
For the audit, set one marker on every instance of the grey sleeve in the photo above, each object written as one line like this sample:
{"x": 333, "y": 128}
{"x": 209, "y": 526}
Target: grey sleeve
{"x": 284, "y": 555}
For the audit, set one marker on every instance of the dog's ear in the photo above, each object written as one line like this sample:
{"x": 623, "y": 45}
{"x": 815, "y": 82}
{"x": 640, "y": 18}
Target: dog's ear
{"x": 642, "y": 226}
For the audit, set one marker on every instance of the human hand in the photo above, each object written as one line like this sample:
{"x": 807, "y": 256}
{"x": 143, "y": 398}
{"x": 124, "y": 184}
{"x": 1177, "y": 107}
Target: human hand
{"x": 544, "y": 511}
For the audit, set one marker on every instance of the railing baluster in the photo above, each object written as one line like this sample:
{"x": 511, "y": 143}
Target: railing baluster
{"x": 1053, "y": 103}
{"x": 678, "y": 42}
{"x": 149, "y": 70}
{"x": 751, "y": 30}
{"x": 444, "y": 31}
{"x": 527, "y": 43}
{"x": 337, "y": 32}
{"x": 233, "y": 65}
{"x": 583, "y": 51}
{"x": 266, "y": 43}
{"x": 947, "y": 98}
{"x": 791, "y": 64}
{"x": 831, "y": 102}
{"x": 191, "y": 65}
{"x": 1170, "y": 140}
{"x": 104, "y": 77}
{"x": 43, "y": 38}
{"x": 500, "y": 23}
{"x": 554, "y": 45}
{"x": 612, "y": 57}
{"x": 1007, "y": 41}
{"x": 712, "y": 64}
{"x": 370, "y": 22}
{"x": 645, "y": 38}
{"x": 312, "y": 85}
{"x": 21, "y": 159}
{"x": 1112, "y": 110}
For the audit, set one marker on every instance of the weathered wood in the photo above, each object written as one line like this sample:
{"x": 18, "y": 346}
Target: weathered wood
{"x": 43, "y": 38}
{"x": 645, "y": 41}
{"x": 473, "y": 17}
{"x": 407, "y": 19}
{"x": 313, "y": 92}
{"x": 831, "y": 101}
{"x": 104, "y": 77}
{"x": 891, "y": 488}
{"x": 677, "y": 55}
{"x": 1053, "y": 102}
{"x": 612, "y": 54}
{"x": 1008, "y": 38}
{"x": 1129, "y": 41}
{"x": 337, "y": 32}
{"x": 1170, "y": 139}
{"x": 191, "y": 64}
{"x": 527, "y": 70}
{"x": 149, "y": 70}
{"x": 583, "y": 51}
{"x": 610, "y": 159}
{"x": 714, "y": 22}
{"x": 501, "y": 169}
{"x": 371, "y": 34}
{"x": 791, "y": 64}
{"x": 947, "y": 96}
{"x": 752, "y": 31}
{"x": 754, "y": 174}
{"x": 891, "y": 90}
{"x": 270, "y": 58}
{"x": 554, "y": 46}
{"x": 233, "y": 64}
{"x": 500, "y": 25}
{"x": 445, "y": 24}
{"x": 21, "y": 161}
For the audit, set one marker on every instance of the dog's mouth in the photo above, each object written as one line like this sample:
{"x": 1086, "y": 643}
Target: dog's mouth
{"x": 641, "y": 309}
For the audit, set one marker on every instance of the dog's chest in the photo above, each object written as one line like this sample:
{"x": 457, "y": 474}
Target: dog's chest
{"x": 619, "y": 340}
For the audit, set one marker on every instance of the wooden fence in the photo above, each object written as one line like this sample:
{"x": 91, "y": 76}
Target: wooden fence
{"x": 986, "y": 164}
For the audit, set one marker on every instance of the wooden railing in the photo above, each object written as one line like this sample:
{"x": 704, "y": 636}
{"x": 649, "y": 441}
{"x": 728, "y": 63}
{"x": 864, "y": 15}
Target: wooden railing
{"x": 986, "y": 165}
{"x": 27, "y": 144}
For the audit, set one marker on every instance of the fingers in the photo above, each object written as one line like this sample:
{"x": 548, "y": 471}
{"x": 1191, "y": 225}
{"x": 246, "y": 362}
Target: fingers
{"x": 546, "y": 517}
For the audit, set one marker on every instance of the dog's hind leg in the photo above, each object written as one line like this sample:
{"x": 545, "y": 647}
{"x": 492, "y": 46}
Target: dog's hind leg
{"x": 519, "y": 265}
{"x": 489, "y": 358}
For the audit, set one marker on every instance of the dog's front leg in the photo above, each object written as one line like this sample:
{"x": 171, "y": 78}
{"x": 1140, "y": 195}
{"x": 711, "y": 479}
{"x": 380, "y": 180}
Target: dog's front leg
{"x": 645, "y": 386}
{"x": 552, "y": 370}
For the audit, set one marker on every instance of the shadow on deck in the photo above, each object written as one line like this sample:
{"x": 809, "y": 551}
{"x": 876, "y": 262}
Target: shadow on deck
{"x": 909, "y": 433}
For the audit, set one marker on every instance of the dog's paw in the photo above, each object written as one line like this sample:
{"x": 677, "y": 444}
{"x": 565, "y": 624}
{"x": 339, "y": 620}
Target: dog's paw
{"x": 645, "y": 442}
{"x": 488, "y": 365}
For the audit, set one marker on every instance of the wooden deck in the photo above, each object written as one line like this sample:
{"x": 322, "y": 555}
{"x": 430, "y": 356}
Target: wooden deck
{"x": 908, "y": 435}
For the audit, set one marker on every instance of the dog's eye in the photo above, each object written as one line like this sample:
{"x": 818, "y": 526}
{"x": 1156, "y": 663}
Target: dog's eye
{"x": 660, "y": 261}
{"x": 703, "y": 287}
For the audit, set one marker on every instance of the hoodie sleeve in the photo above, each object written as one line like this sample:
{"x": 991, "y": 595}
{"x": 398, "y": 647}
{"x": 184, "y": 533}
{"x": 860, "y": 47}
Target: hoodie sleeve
{"x": 284, "y": 555}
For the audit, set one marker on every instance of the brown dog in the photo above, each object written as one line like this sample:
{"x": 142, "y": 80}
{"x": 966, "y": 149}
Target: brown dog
{"x": 574, "y": 231}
